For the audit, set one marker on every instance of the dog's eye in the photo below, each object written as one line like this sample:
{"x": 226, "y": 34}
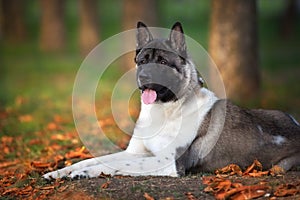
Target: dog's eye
{"x": 163, "y": 62}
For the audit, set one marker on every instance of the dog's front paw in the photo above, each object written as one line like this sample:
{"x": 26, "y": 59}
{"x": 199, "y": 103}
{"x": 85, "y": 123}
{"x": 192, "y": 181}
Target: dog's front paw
{"x": 91, "y": 172}
{"x": 80, "y": 174}
{"x": 56, "y": 174}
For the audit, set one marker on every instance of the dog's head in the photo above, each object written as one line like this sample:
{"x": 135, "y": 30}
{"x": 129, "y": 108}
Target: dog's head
{"x": 164, "y": 73}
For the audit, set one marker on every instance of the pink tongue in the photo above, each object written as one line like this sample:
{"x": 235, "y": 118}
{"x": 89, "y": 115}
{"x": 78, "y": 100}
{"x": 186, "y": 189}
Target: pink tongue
{"x": 149, "y": 96}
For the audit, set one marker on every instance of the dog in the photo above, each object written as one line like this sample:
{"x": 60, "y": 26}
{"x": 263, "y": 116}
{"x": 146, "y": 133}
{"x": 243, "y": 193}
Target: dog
{"x": 185, "y": 128}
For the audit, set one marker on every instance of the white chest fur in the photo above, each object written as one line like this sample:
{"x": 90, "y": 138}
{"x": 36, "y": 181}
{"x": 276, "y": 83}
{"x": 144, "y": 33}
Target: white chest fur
{"x": 165, "y": 127}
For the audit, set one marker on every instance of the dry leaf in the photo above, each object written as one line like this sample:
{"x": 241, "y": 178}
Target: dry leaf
{"x": 79, "y": 153}
{"x": 105, "y": 185}
{"x": 230, "y": 169}
{"x": 244, "y": 192}
{"x": 40, "y": 164}
{"x": 102, "y": 175}
{"x": 287, "y": 190}
{"x": 7, "y": 139}
{"x": 68, "y": 162}
{"x": 258, "y": 174}
{"x": 8, "y": 163}
{"x": 10, "y": 190}
{"x": 276, "y": 171}
{"x": 52, "y": 126}
{"x": 47, "y": 187}
{"x": 26, "y": 190}
{"x": 63, "y": 188}
{"x": 25, "y": 118}
{"x": 148, "y": 197}
{"x": 256, "y": 164}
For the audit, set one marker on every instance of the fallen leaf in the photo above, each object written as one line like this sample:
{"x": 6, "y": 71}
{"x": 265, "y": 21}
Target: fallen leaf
{"x": 105, "y": 185}
{"x": 8, "y": 163}
{"x": 244, "y": 192}
{"x": 276, "y": 171}
{"x": 25, "y": 118}
{"x": 26, "y": 190}
{"x": 10, "y": 190}
{"x": 7, "y": 139}
{"x": 63, "y": 188}
{"x": 287, "y": 190}
{"x": 58, "y": 119}
{"x": 53, "y": 126}
{"x": 148, "y": 197}
{"x": 258, "y": 174}
{"x": 58, "y": 158}
{"x": 230, "y": 169}
{"x": 68, "y": 162}
{"x": 256, "y": 164}
{"x": 79, "y": 153}
{"x": 40, "y": 164}
{"x": 102, "y": 175}
{"x": 47, "y": 187}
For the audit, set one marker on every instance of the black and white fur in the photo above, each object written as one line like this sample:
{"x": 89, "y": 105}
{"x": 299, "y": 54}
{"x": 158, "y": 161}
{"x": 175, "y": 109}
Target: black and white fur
{"x": 187, "y": 128}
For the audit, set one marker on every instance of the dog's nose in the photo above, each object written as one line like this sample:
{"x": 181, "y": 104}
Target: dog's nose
{"x": 144, "y": 78}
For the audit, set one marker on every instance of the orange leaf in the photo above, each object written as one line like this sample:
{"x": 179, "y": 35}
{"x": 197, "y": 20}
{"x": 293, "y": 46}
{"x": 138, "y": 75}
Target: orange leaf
{"x": 105, "y": 185}
{"x": 286, "y": 190}
{"x": 63, "y": 188}
{"x": 259, "y": 174}
{"x": 52, "y": 126}
{"x": 148, "y": 197}
{"x": 40, "y": 164}
{"x": 47, "y": 187}
{"x": 25, "y": 118}
{"x": 255, "y": 164}
{"x": 10, "y": 190}
{"x": 7, "y": 139}
{"x": 8, "y": 163}
{"x": 231, "y": 169}
{"x": 246, "y": 190}
{"x": 276, "y": 170}
{"x": 26, "y": 190}
{"x": 68, "y": 162}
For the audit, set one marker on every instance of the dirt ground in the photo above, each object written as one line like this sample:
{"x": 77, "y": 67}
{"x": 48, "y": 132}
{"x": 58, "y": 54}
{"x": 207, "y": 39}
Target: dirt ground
{"x": 190, "y": 187}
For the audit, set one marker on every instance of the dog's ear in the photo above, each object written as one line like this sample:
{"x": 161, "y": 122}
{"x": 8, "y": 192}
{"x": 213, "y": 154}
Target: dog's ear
{"x": 143, "y": 35}
{"x": 177, "y": 39}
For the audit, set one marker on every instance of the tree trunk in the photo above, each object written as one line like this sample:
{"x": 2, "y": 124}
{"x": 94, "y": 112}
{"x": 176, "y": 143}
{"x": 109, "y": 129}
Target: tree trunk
{"x": 53, "y": 32}
{"x": 233, "y": 45}
{"x": 134, "y": 11}
{"x": 89, "y": 26}
{"x": 14, "y": 29}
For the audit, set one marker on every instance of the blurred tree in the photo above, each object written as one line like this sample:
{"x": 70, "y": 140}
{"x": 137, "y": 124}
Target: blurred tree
{"x": 52, "y": 35}
{"x": 134, "y": 11}
{"x": 89, "y": 26}
{"x": 233, "y": 45}
{"x": 289, "y": 18}
{"x": 13, "y": 24}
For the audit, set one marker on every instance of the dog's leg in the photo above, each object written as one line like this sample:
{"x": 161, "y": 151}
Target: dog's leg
{"x": 91, "y": 162}
{"x": 148, "y": 166}
{"x": 289, "y": 162}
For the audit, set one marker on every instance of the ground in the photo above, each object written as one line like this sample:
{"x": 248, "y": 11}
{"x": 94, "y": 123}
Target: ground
{"x": 161, "y": 187}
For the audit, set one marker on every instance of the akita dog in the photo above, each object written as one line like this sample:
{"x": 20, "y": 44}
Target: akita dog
{"x": 183, "y": 127}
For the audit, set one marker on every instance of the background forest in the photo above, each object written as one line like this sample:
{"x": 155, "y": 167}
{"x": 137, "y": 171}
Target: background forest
{"x": 43, "y": 43}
